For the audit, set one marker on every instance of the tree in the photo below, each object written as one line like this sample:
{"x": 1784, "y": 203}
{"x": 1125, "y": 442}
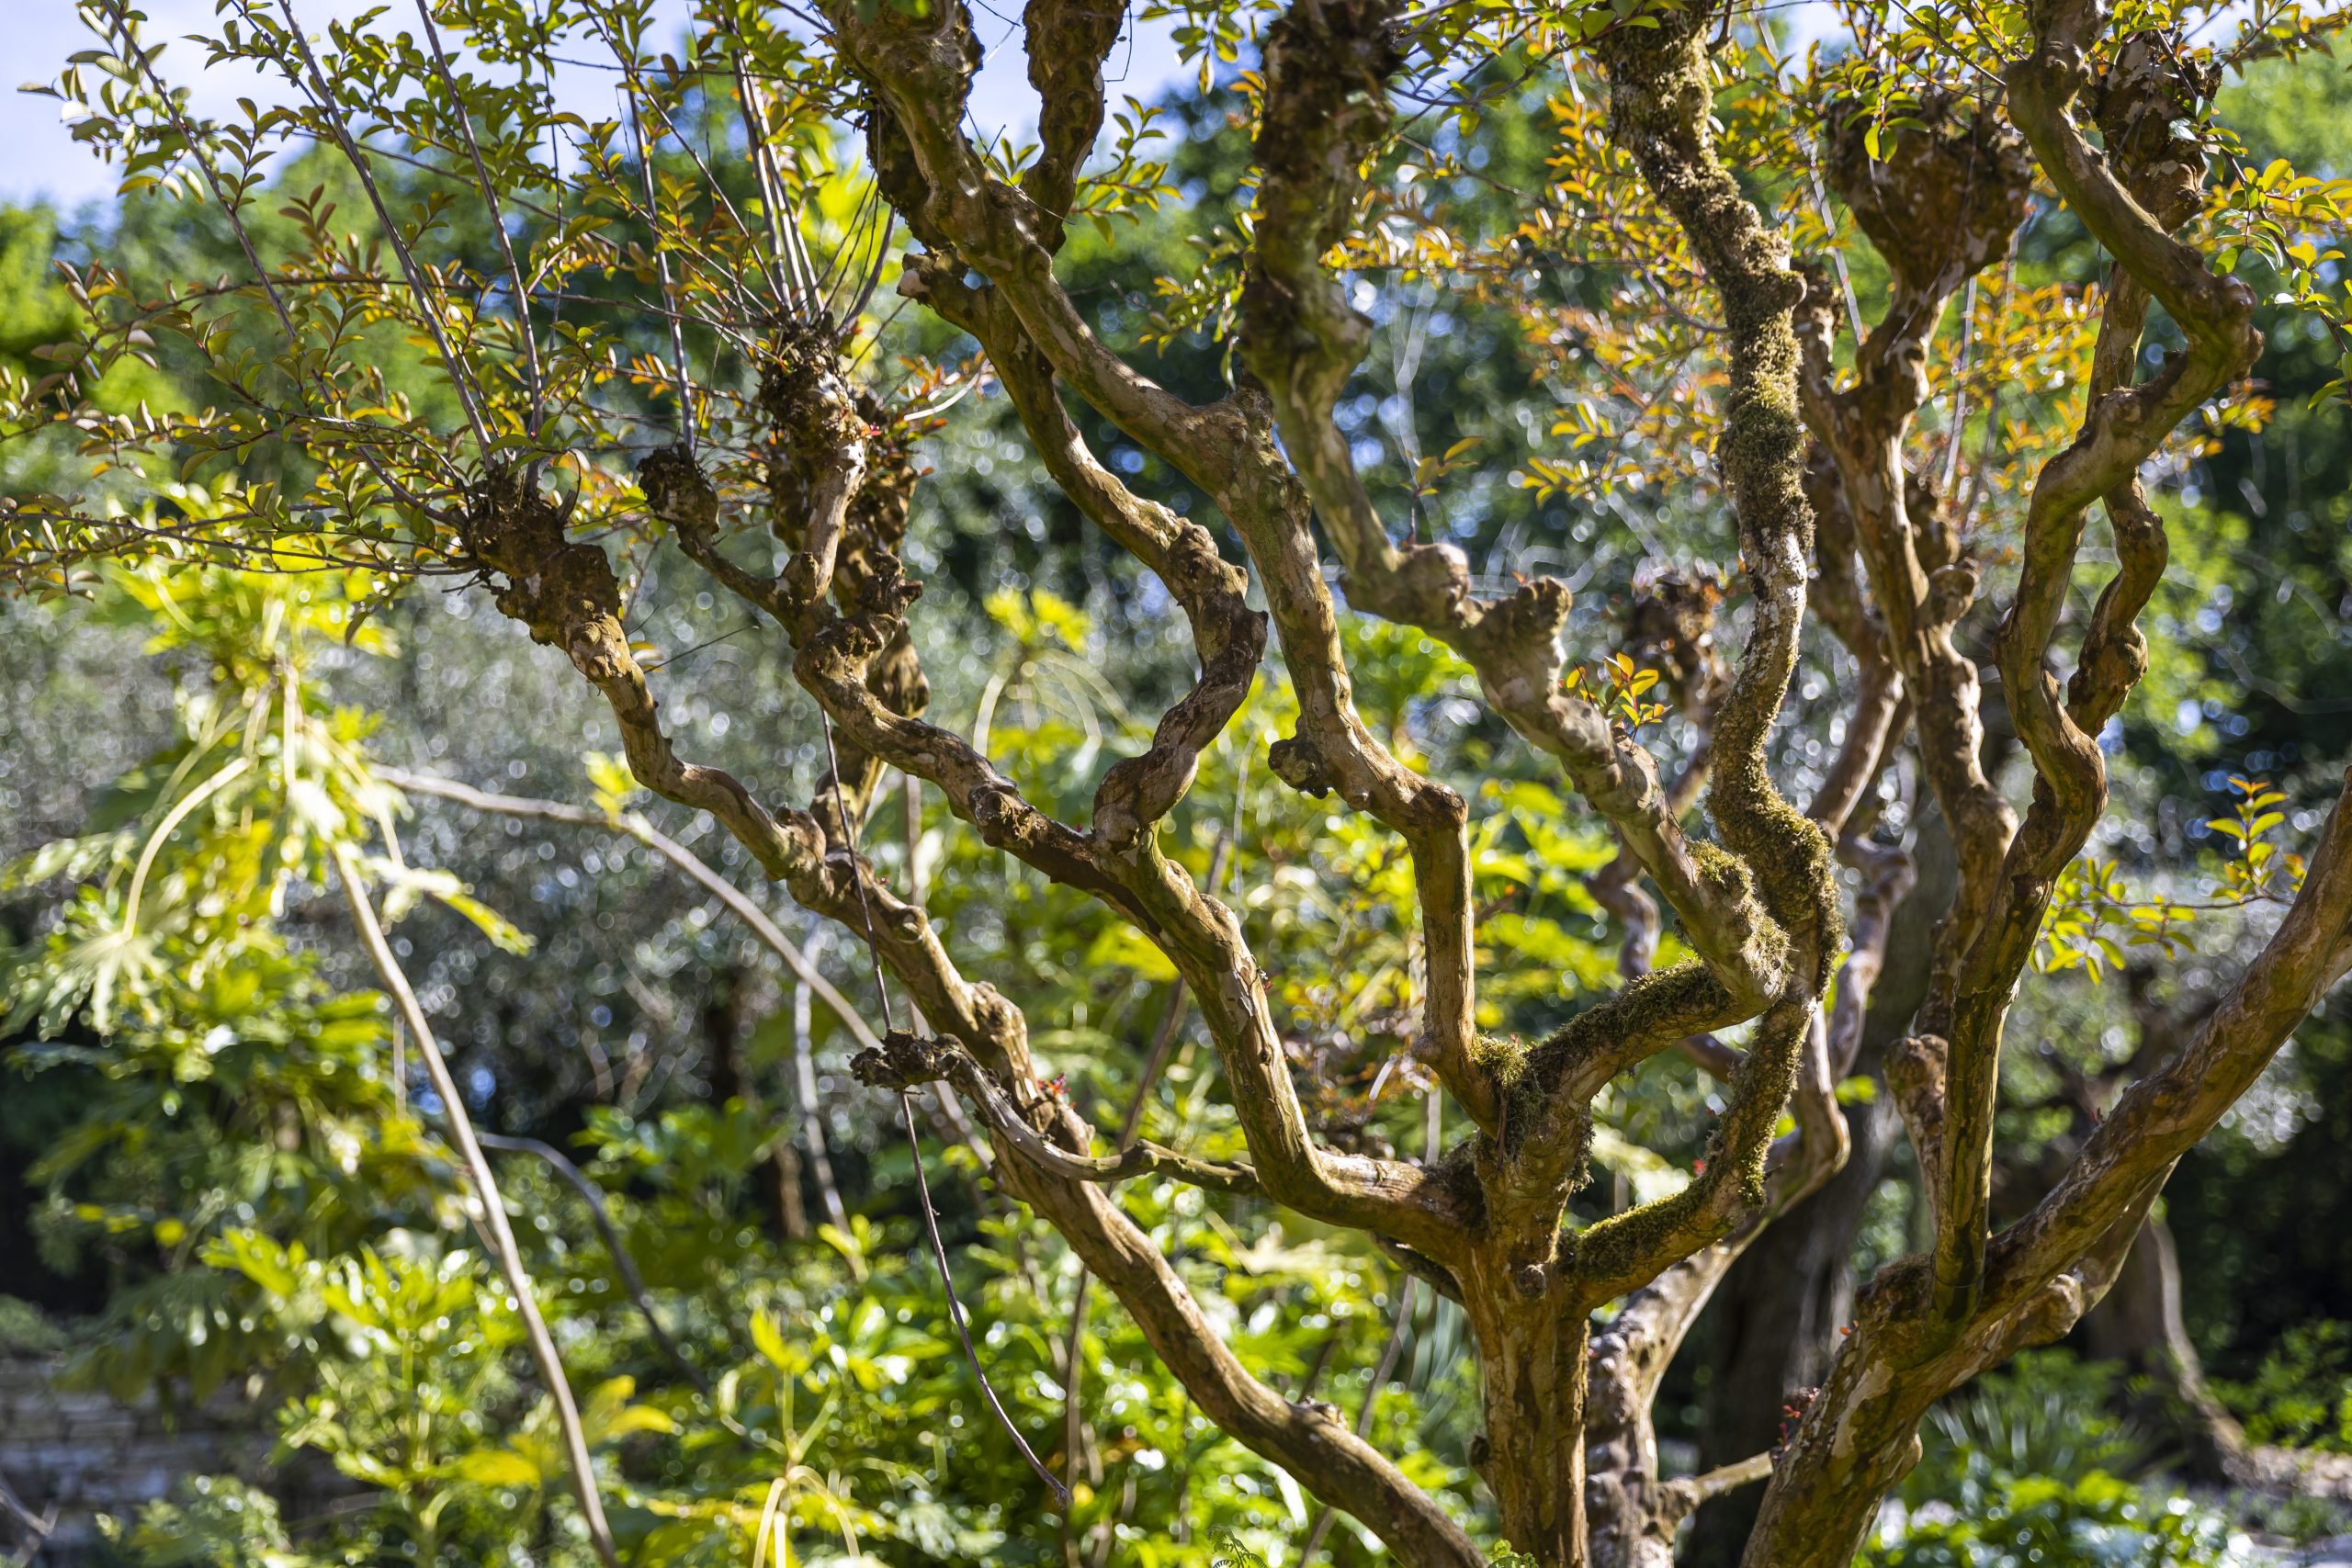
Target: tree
{"x": 682, "y": 336}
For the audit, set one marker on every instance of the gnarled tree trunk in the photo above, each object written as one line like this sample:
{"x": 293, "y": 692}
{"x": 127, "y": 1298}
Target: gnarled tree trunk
{"x": 1773, "y": 1326}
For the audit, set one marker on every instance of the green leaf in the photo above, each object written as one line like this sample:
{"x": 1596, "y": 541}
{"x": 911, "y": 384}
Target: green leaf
{"x": 767, "y": 1337}
{"x": 495, "y": 1468}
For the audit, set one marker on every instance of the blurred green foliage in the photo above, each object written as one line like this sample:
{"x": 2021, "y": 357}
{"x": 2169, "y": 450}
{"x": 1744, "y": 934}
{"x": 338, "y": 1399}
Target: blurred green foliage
{"x": 2096, "y": 1521}
{"x": 2027, "y": 1465}
{"x": 2300, "y": 1394}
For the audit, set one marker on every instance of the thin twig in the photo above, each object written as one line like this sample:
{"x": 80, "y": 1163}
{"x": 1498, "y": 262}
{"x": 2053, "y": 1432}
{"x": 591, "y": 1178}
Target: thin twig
{"x": 910, "y": 812}
{"x": 771, "y": 179}
{"x": 800, "y": 961}
{"x": 951, "y": 1064}
{"x": 738, "y": 903}
{"x": 661, "y": 265}
{"x": 956, "y": 1306}
{"x": 1991, "y": 447}
{"x": 497, "y": 220}
{"x": 1073, "y": 1410}
{"x": 1959, "y": 417}
{"x": 323, "y": 95}
{"x": 804, "y": 1074}
{"x": 914, "y": 1138}
{"x": 848, "y": 847}
{"x": 710, "y": 181}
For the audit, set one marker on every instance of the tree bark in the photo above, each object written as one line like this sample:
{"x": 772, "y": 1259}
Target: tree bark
{"x": 1776, "y": 1317}
{"x": 1531, "y": 1360}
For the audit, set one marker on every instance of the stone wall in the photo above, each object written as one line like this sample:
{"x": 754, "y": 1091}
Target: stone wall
{"x": 83, "y": 1453}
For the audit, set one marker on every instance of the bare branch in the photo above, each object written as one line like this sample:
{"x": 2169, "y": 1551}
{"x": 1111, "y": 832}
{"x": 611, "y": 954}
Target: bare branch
{"x": 1626, "y": 1251}
{"x": 920, "y": 154}
{"x": 1976, "y": 170}
{"x": 1067, "y": 42}
{"x": 738, "y": 903}
{"x": 1888, "y": 875}
{"x": 2163, "y": 1114}
{"x": 835, "y": 651}
{"x": 1332, "y": 1464}
{"x": 1326, "y": 75}
{"x": 1136, "y": 794}
{"x": 2122, "y": 429}
{"x": 920, "y": 70}
{"x": 36, "y": 1527}
{"x": 1723, "y": 1478}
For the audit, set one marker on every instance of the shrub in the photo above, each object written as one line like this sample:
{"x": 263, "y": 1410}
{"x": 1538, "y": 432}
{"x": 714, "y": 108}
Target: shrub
{"x": 209, "y": 1521}
{"x": 2044, "y": 1414}
{"x": 2300, "y": 1396}
{"x": 2096, "y": 1521}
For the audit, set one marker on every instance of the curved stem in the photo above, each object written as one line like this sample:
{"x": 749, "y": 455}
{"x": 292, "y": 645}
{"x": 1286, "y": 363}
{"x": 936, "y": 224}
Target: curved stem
{"x": 737, "y": 902}
{"x": 623, "y": 1264}
{"x": 956, "y": 1307}
{"x": 494, "y": 1211}
{"x": 173, "y": 818}
{"x": 804, "y": 1080}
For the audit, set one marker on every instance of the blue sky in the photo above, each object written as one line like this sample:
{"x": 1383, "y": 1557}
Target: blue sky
{"x": 42, "y": 162}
